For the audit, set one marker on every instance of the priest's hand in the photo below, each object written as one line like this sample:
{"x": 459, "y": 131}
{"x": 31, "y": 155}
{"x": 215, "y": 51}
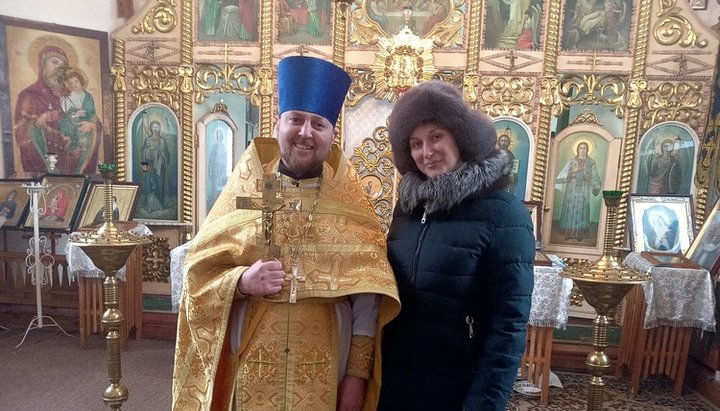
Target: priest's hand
{"x": 351, "y": 393}
{"x": 262, "y": 278}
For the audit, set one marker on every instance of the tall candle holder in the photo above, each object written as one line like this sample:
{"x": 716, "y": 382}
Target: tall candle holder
{"x": 39, "y": 260}
{"x": 603, "y": 283}
{"x": 109, "y": 248}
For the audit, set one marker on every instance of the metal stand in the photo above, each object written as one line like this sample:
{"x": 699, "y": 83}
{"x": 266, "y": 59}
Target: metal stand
{"x": 39, "y": 271}
{"x": 109, "y": 249}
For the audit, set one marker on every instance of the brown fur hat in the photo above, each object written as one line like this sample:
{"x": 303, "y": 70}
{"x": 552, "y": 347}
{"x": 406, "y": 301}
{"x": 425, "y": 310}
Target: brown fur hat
{"x": 438, "y": 102}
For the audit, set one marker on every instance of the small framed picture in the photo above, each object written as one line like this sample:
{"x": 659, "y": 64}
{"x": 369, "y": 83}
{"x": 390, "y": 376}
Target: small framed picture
{"x": 668, "y": 260}
{"x": 59, "y": 206}
{"x": 542, "y": 259}
{"x": 705, "y": 250}
{"x": 14, "y": 200}
{"x": 535, "y": 209}
{"x": 661, "y": 223}
{"x": 124, "y": 201}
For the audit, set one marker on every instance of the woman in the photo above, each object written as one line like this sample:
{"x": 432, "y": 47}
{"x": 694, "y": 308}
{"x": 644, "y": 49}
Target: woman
{"x": 462, "y": 250}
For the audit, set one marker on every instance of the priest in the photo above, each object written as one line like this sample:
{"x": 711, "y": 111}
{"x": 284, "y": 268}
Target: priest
{"x": 285, "y": 295}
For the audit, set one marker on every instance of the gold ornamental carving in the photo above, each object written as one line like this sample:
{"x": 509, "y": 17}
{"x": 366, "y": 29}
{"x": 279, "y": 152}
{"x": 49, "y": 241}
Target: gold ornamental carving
{"x": 586, "y": 117}
{"x": 470, "y": 83}
{"x": 511, "y": 96}
{"x": 636, "y": 87}
{"x": 673, "y": 28}
{"x": 674, "y": 102}
{"x": 119, "y": 89}
{"x": 401, "y": 62}
{"x": 185, "y": 73}
{"x": 156, "y": 84}
{"x": 231, "y": 79}
{"x": 161, "y": 18}
{"x": 363, "y": 83}
{"x": 592, "y": 89}
{"x": 374, "y": 164}
{"x": 548, "y": 91}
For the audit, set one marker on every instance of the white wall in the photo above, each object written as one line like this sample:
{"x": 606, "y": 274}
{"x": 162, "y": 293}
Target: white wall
{"x": 88, "y": 14}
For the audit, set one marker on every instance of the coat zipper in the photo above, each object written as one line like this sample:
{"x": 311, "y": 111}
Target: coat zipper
{"x": 469, "y": 321}
{"x": 416, "y": 257}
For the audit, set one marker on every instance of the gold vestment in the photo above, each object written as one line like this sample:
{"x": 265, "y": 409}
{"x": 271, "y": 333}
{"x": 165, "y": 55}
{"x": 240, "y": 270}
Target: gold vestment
{"x": 287, "y": 357}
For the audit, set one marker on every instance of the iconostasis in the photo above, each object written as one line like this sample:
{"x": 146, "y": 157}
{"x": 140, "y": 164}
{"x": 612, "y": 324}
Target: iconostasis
{"x": 620, "y": 90}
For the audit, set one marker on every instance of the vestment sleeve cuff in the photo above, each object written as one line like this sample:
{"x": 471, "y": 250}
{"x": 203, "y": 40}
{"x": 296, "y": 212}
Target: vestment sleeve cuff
{"x": 362, "y": 353}
{"x": 238, "y": 294}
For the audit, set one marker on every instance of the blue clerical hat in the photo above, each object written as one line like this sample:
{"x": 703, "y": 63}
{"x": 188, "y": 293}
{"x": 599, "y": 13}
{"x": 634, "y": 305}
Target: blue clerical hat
{"x": 313, "y": 85}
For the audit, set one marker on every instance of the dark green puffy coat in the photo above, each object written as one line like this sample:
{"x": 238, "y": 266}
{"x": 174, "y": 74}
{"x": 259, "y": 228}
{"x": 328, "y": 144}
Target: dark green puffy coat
{"x": 472, "y": 263}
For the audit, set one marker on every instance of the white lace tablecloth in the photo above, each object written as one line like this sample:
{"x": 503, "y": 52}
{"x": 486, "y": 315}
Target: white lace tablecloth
{"x": 177, "y": 260}
{"x": 677, "y": 297}
{"x": 80, "y": 265}
{"x": 550, "y": 298}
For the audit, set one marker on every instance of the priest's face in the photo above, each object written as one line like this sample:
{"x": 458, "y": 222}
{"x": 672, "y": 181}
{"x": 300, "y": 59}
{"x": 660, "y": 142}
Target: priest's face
{"x": 305, "y": 140}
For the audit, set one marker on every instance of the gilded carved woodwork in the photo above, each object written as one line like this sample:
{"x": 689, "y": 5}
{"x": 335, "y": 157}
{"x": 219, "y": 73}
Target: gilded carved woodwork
{"x": 636, "y": 86}
{"x": 675, "y": 29}
{"x": 185, "y": 72}
{"x": 512, "y": 96}
{"x": 161, "y": 18}
{"x": 586, "y": 117}
{"x": 373, "y": 161}
{"x": 530, "y": 85}
{"x": 547, "y": 100}
{"x": 673, "y": 101}
{"x": 592, "y": 89}
{"x": 119, "y": 89}
{"x": 363, "y": 83}
{"x": 231, "y": 79}
{"x": 631, "y": 138}
{"x": 339, "y": 43}
{"x": 401, "y": 62}
{"x": 470, "y": 85}
{"x": 264, "y": 95}
{"x": 156, "y": 84}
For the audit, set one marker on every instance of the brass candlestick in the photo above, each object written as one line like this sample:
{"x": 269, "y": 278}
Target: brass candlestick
{"x": 108, "y": 248}
{"x": 604, "y": 283}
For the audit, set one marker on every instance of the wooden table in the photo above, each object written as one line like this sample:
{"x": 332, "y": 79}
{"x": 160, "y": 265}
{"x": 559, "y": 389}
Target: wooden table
{"x": 550, "y": 299}
{"x": 659, "y": 321}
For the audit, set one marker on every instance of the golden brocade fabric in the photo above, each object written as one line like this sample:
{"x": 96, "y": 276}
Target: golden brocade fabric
{"x": 343, "y": 253}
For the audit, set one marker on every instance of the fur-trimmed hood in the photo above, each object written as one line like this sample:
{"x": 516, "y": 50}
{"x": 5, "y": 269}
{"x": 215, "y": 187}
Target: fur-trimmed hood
{"x": 439, "y": 103}
{"x": 443, "y": 192}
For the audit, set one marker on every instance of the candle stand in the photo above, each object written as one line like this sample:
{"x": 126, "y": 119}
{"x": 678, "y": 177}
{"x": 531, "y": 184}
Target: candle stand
{"x": 109, "y": 248}
{"x": 603, "y": 283}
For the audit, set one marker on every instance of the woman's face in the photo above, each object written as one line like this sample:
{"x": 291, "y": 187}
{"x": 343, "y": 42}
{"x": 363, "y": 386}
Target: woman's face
{"x": 434, "y": 150}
